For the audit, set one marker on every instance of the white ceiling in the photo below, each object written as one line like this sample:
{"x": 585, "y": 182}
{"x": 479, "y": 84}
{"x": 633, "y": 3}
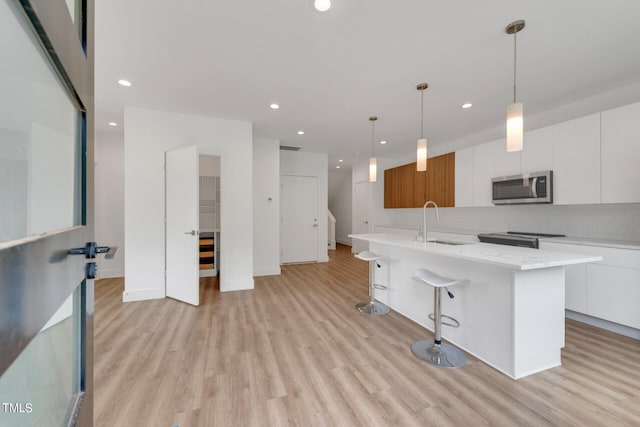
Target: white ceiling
{"x": 331, "y": 71}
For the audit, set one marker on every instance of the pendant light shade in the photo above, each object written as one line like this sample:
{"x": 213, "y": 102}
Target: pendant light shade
{"x": 515, "y": 117}
{"x": 373, "y": 169}
{"x": 322, "y": 5}
{"x": 514, "y": 127}
{"x": 373, "y": 166}
{"x": 422, "y": 155}
{"x": 421, "y": 148}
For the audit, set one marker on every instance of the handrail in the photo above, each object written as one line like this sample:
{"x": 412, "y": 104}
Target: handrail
{"x": 332, "y": 231}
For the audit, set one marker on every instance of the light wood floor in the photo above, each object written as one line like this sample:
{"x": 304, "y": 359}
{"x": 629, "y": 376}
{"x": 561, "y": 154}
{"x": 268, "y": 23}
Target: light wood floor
{"x": 294, "y": 352}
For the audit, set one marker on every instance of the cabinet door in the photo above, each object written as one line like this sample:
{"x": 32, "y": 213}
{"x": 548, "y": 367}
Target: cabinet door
{"x": 505, "y": 163}
{"x": 441, "y": 180}
{"x": 576, "y": 161}
{"x": 464, "y": 177}
{"x": 613, "y": 293}
{"x": 483, "y": 161}
{"x": 620, "y": 154}
{"x": 392, "y": 188}
{"x": 407, "y": 185}
{"x": 537, "y": 155}
{"x": 420, "y": 181}
{"x": 575, "y": 277}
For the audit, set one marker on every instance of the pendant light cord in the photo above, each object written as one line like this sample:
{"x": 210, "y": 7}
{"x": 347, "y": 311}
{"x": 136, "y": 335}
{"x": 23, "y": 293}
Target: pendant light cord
{"x": 373, "y": 144}
{"x": 422, "y": 114}
{"x": 515, "y": 54}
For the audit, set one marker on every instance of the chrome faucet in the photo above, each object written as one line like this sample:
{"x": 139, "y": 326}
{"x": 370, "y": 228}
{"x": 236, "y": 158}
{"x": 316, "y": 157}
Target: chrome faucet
{"x": 424, "y": 219}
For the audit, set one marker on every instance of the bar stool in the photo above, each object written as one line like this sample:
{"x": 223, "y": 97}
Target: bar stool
{"x": 436, "y": 352}
{"x": 372, "y": 306}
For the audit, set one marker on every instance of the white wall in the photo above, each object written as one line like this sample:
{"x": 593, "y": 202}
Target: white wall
{"x": 266, "y": 207}
{"x": 340, "y": 192}
{"x": 148, "y": 134}
{"x": 109, "y": 201}
{"x": 311, "y": 164}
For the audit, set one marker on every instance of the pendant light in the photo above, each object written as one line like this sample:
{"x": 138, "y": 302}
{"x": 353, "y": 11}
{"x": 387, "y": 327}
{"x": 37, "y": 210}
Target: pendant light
{"x": 322, "y": 5}
{"x": 514, "y": 111}
{"x": 373, "y": 168}
{"x": 421, "y": 153}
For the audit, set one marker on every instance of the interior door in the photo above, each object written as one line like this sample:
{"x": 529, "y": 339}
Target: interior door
{"x": 182, "y": 211}
{"x": 46, "y": 209}
{"x": 300, "y": 220}
{"x": 361, "y": 214}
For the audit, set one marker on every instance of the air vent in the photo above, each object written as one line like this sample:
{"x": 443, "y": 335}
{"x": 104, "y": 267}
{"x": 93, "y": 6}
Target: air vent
{"x": 289, "y": 148}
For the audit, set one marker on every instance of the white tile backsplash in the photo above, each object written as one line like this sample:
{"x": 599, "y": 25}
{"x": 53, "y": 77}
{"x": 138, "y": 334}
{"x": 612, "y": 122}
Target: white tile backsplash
{"x": 601, "y": 221}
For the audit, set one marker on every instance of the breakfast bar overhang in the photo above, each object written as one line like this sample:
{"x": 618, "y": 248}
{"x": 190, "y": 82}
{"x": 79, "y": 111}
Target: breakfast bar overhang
{"x": 511, "y": 310}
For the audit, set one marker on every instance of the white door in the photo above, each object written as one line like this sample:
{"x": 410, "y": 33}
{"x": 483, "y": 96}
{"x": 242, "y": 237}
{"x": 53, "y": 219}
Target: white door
{"x": 47, "y": 247}
{"x": 181, "y": 210}
{"x": 361, "y": 203}
{"x": 300, "y": 220}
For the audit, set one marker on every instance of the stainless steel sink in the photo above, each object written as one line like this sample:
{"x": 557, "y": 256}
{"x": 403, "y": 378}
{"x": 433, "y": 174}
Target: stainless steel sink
{"x": 449, "y": 242}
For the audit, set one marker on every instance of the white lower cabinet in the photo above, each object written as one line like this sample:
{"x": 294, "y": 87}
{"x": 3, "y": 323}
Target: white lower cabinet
{"x": 613, "y": 293}
{"x": 609, "y": 289}
{"x": 575, "y": 289}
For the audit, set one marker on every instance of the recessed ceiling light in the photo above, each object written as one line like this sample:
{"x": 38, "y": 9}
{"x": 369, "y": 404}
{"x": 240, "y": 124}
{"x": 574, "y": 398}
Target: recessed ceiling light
{"x": 126, "y": 83}
{"x": 383, "y": 142}
{"x": 274, "y": 106}
{"x": 300, "y": 132}
{"x": 322, "y": 5}
{"x": 337, "y": 167}
{"x": 467, "y": 105}
{"x": 341, "y": 160}
{"x": 113, "y": 124}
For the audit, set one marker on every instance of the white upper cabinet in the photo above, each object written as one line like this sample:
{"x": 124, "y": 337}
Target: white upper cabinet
{"x": 537, "y": 155}
{"x": 506, "y": 163}
{"x": 483, "y": 171}
{"x": 576, "y": 161}
{"x": 464, "y": 177}
{"x": 620, "y": 154}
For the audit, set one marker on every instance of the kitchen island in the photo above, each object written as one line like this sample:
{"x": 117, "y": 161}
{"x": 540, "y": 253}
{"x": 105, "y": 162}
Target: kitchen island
{"x": 511, "y": 310}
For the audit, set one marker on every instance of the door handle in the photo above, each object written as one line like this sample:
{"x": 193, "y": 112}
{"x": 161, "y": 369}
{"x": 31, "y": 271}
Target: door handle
{"x": 192, "y": 232}
{"x": 314, "y": 225}
{"x": 91, "y": 249}
{"x": 366, "y": 222}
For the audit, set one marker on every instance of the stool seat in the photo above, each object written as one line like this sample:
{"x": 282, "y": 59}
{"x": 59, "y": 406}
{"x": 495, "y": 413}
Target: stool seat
{"x": 435, "y": 280}
{"x": 368, "y": 256}
{"x": 372, "y": 306}
{"x": 436, "y": 352}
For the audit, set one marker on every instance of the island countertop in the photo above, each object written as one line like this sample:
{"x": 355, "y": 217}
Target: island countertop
{"x": 514, "y": 257}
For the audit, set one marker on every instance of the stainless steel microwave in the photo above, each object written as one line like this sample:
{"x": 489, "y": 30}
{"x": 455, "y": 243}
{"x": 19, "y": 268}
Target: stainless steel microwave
{"x": 536, "y": 187}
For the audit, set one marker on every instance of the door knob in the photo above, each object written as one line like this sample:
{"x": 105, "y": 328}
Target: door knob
{"x": 192, "y": 232}
{"x": 315, "y": 225}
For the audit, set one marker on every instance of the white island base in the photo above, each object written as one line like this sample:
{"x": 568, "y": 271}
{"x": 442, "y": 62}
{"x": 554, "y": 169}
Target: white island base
{"x": 511, "y": 312}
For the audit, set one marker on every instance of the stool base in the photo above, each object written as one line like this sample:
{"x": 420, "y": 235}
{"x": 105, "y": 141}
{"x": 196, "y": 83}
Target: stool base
{"x": 443, "y": 355}
{"x": 373, "y": 308}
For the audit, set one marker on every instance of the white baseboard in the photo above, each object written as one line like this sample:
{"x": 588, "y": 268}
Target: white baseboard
{"x": 208, "y": 273}
{"x": 142, "y": 294}
{"x": 235, "y": 285}
{"x": 269, "y": 271}
{"x": 603, "y": 324}
{"x": 346, "y": 242}
{"x": 104, "y": 273}
{"x": 324, "y": 259}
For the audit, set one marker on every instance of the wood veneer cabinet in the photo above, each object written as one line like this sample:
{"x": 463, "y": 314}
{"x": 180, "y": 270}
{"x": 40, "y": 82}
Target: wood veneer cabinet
{"x": 404, "y": 187}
